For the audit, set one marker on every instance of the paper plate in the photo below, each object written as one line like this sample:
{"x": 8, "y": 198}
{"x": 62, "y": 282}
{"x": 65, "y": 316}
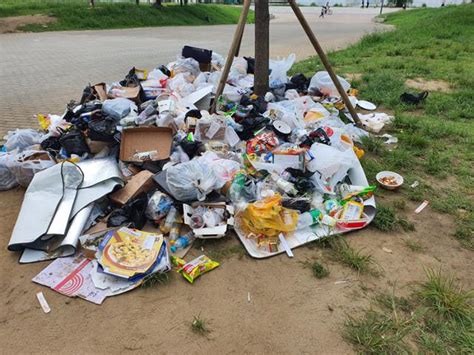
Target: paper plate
{"x": 366, "y": 105}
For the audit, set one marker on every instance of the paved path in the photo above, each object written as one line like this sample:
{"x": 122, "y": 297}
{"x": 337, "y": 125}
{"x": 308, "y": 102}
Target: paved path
{"x": 41, "y": 72}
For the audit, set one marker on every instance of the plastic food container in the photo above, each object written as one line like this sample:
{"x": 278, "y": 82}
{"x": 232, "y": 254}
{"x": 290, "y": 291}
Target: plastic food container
{"x": 396, "y": 178}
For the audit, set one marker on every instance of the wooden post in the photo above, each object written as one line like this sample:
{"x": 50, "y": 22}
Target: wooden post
{"x": 324, "y": 60}
{"x": 262, "y": 47}
{"x": 232, "y": 51}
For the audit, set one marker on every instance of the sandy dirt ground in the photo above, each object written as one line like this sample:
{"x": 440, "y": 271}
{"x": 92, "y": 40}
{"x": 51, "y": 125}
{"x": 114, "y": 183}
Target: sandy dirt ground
{"x": 289, "y": 311}
{"x": 12, "y": 24}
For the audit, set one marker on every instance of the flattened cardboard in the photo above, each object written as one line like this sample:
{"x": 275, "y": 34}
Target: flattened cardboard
{"x": 146, "y": 139}
{"x": 141, "y": 182}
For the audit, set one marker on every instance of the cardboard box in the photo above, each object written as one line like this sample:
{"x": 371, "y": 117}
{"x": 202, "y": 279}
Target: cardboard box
{"x": 141, "y": 182}
{"x": 146, "y": 143}
{"x": 213, "y": 232}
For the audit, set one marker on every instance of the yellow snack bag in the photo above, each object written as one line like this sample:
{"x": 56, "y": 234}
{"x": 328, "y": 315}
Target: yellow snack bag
{"x": 268, "y": 217}
{"x": 195, "y": 268}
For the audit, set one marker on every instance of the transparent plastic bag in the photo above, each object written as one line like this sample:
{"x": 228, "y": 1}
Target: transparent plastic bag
{"x": 186, "y": 65}
{"x": 191, "y": 181}
{"x": 279, "y": 68}
{"x": 22, "y": 138}
{"x": 181, "y": 84}
{"x": 322, "y": 81}
{"x": 158, "y": 206}
{"x": 7, "y": 178}
{"x": 26, "y": 164}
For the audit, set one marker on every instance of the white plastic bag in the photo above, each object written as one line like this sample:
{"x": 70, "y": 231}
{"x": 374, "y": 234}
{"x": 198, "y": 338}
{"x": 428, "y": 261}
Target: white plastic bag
{"x": 7, "y": 178}
{"x": 191, "y": 181}
{"x": 279, "y": 68}
{"x": 322, "y": 81}
{"x": 22, "y": 138}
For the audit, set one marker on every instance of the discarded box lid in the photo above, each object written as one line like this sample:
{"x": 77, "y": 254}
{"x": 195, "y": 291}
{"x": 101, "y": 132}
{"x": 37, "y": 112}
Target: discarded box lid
{"x": 209, "y": 232}
{"x": 146, "y": 143}
{"x": 141, "y": 182}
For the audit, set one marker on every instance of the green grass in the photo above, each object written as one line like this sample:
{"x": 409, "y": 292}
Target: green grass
{"x": 444, "y": 297}
{"x": 199, "y": 325}
{"x": 155, "y": 279}
{"x": 436, "y": 318}
{"x": 319, "y": 270}
{"x": 387, "y": 221}
{"x": 77, "y": 15}
{"x": 436, "y": 138}
{"x": 414, "y": 245}
{"x": 355, "y": 259}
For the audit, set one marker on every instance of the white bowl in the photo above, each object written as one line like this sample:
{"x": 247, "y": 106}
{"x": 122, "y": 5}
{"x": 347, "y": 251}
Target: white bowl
{"x": 398, "y": 179}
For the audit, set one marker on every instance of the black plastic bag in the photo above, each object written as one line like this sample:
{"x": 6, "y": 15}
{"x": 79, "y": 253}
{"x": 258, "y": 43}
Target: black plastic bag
{"x": 192, "y": 149}
{"x": 251, "y": 125}
{"x": 74, "y": 142}
{"x": 250, "y": 65}
{"x": 102, "y": 130}
{"x": 301, "y": 180}
{"x": 132, "y": 213}
{"x": 51, "y": 145}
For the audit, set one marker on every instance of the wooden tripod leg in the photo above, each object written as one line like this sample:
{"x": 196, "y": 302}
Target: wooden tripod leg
{"x": 324, "y": 60}
{"x": 232, "y": 52}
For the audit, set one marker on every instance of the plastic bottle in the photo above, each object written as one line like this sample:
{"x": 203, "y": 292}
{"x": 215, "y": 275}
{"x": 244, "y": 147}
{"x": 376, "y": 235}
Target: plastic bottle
{"x": 182, "y": 242}
{"x": 174, "y": 231}
{"x": 170, "y": 219}
{"x": 284, "y": 185}
{"x": 308, "y": 219}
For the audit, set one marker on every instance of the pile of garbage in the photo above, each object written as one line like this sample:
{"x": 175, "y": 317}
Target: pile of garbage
{"x": 124, "y": 181}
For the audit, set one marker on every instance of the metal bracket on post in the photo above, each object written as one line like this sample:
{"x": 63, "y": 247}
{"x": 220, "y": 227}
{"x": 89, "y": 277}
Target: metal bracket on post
{"x": 232, "y": 53}
{"x": 324, "y": 60}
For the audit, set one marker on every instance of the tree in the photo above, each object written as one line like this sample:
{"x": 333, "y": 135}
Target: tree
{"x": 262, "y": 35}
{"x": 137, "y": 2}
{"x": 157, "y": 3}
{"x": 92, "y": 3}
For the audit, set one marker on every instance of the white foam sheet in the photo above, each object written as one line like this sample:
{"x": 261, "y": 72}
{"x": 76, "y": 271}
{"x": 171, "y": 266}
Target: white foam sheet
{"x": 304, "y": 236}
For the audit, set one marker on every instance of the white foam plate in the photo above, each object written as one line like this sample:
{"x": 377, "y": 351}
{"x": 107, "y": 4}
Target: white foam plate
{"x": 366, "y": 105}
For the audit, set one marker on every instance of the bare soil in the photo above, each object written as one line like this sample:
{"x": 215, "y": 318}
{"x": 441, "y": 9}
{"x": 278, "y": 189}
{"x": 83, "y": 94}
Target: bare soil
{"x": 289, "y": 311}
{"x": 12, "y": 24}
{"x": 428, "y": 85}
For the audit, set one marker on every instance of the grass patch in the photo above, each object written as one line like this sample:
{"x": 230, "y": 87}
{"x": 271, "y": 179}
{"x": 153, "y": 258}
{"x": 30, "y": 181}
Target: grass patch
{"x": 200, "y": 325}
{"x": 216, "y": 250}
{"x": 436, "y": 318}
{"x": 155, "y": 279}
{"x": 436, "y": 138}
{"x": 319, "y": 270}
{"x": 441, "y": 294}
{"x": 377, "y": 333}
{"x": 77, "y": 15}
{"x": 387, "y": 221}
{"x": 355, "y": 259}
{"x": 414, "y": 245}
